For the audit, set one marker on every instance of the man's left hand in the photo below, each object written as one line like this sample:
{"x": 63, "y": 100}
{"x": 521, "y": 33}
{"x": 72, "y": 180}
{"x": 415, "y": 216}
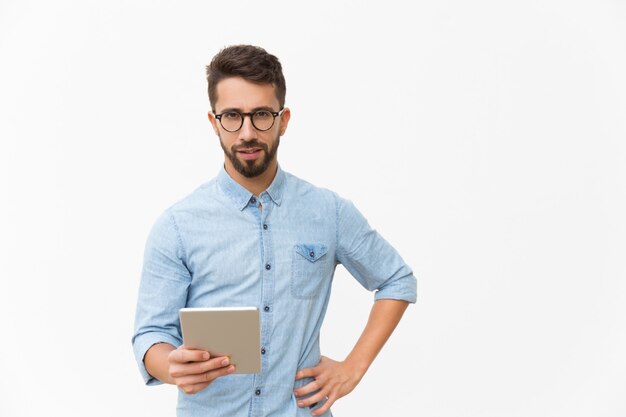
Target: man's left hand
{"x": 332, "y": 379}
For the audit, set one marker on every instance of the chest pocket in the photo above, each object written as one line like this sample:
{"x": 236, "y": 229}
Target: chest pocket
{"x": 309, "y": 267}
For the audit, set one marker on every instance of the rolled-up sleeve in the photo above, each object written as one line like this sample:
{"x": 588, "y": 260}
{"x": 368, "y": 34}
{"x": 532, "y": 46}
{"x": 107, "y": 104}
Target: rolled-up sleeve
{"x": 165, "y": 280}
{"x": 374, "y": 263}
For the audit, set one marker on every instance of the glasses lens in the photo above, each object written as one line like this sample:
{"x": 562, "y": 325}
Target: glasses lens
{"x": 263, "y": 119}
{"x": 231, "y": 121}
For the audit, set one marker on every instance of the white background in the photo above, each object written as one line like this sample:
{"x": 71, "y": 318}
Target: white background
{"x": 484, "y": 140}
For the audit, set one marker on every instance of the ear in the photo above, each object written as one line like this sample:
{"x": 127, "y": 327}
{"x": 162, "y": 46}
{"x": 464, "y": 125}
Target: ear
{"x": 284, "y": 120}
{"x": 214, "y": 122}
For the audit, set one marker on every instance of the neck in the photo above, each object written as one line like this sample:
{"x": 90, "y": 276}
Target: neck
{"x": 255, "y": 185}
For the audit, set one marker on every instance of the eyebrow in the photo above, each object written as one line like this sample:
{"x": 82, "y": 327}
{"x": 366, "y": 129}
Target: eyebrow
{"x": 238, "y": 110}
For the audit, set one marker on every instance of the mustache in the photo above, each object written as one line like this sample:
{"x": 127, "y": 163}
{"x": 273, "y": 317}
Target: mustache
{"x": 250, "y": 145}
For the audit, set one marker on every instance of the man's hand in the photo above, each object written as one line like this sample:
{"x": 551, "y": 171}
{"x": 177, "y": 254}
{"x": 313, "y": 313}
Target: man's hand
{"x": 333, "y": 380}
{"x": 194, "y": 370}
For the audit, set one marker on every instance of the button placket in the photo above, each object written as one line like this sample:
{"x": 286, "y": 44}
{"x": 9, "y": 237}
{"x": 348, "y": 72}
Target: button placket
{"x": 267, "y": 285}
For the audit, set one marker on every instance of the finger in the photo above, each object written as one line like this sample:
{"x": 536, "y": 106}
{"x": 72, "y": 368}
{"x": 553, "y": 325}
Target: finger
{"x": 307, "y": 373}
{"x": 193, "y": 389}
{"x": 209, "y": 376}
{"x": 313, "y": 399}
{"x": 324, "y": 408}
{"x": 194, "y": 368}
{"x": 216, "y": 373}
{"x": 188, "y": 355}
{"x": 308, "y": 388}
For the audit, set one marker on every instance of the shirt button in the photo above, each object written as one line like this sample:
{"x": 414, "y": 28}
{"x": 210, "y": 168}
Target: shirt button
{"x": 253, "y": 200}
{"x": 262, "y": 351}
{"x": 312, "y": 254}
{"x": 264, "y": 227}
{"x": 257, "y": 392}
{"x": 266, "y": 308}
{"x": 268, "y": 266}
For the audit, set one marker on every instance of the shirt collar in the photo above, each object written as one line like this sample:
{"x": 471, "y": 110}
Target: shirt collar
{"x": 276, "y": 188}
{"x": 241, "y": 197}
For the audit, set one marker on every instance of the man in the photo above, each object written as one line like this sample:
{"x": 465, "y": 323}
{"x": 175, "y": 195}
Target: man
{"x": 258, "y": 236}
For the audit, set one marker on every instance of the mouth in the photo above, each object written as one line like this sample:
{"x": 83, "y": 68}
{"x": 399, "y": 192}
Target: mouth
{"x": 249, "y": 153}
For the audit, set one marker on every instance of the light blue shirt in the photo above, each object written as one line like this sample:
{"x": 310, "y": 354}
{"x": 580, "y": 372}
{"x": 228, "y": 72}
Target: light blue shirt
{"x": 223, "y": 247}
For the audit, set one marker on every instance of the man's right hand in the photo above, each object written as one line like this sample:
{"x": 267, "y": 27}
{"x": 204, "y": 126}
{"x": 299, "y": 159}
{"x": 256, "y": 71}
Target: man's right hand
{"x": 190, "y": 369}
{"x": 193, "y": 370}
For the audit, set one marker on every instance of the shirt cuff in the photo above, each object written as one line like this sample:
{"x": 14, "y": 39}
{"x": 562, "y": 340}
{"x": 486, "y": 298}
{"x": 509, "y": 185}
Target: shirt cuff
{"x": 406, "y": 290}
{"x": 142, "y": 343}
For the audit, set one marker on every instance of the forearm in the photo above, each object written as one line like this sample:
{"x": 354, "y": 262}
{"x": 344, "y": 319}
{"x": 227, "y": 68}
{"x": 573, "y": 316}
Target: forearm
{"x": 332, "y": 379}
{"x": 156, "y": 362}
{"x": 383, "y": 319}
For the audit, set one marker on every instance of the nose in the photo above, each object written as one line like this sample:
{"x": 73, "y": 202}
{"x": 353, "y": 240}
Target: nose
{"x": 247, "y": 131}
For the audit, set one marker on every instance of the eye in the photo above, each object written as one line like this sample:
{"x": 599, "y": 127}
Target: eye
{"x": 262, "y": 114}
{"x": 230, "y": 115}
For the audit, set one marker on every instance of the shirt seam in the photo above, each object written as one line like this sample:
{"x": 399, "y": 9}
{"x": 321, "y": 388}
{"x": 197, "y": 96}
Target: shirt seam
{"x": 179, "y": 240}
{"x": 337, "y": 227}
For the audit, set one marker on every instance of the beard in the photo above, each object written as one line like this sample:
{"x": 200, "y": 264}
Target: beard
{"x": 256, "y": 167}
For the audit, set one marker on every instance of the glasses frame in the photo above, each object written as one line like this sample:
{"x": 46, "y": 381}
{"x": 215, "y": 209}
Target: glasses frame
{"x": 250, "y": 115}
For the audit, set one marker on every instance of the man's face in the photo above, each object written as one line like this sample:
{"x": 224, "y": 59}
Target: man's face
{"x": 248, "y": 151}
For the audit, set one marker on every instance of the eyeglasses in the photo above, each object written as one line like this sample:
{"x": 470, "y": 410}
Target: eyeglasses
{"x": 262, "y": 120}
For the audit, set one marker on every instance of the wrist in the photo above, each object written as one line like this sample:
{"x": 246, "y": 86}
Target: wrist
{"x": 358, "y": 367}
{"x": 157, "y": 363}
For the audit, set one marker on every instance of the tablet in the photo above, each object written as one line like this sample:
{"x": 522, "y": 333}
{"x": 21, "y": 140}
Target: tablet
{"x": 225, "y": 331}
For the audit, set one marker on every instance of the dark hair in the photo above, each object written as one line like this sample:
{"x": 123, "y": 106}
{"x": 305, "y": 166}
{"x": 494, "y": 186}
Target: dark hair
{"x": 252, "y": 63}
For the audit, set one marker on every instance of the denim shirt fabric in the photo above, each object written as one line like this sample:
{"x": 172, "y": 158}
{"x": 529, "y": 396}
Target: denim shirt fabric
{"x": 223, "y": 247}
